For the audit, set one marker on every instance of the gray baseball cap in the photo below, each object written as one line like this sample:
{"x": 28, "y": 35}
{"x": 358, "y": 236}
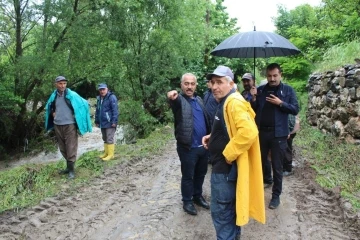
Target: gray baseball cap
{"x": 221, "y": 71}
{"x": 60, "y": 78}
{"x": 247, "y": 76}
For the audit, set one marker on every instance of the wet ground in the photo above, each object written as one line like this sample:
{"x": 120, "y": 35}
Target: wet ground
{"x": 88, "y": 142}
{"x": 141, "y": 200}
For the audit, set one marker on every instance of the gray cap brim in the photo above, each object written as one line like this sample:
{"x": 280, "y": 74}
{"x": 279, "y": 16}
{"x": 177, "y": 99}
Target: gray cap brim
{"x": 210, "y": 75}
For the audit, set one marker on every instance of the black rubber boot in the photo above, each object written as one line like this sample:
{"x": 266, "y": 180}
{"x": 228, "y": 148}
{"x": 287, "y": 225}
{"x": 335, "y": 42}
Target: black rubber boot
{"x": 66, "y": 170}
{"x": 71, "y": 170}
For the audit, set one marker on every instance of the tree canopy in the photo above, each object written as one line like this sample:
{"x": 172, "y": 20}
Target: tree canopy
{"x": 139, "y": 48}
{"x": 314, "y": 30}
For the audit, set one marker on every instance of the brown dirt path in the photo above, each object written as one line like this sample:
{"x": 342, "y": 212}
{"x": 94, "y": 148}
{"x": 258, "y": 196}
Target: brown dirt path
{"x": 141, "y": 200}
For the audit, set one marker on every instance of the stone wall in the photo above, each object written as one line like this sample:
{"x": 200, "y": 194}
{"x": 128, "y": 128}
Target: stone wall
{"x": 334, "y": 102}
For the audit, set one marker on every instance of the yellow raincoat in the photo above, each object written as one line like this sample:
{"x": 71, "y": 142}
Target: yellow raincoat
{"x": 244, "y": 148}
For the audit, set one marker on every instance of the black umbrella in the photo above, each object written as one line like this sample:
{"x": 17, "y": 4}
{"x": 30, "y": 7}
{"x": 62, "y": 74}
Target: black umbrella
{"x": 255, "y": 44}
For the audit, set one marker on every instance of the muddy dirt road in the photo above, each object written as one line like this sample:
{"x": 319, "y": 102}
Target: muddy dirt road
{"x": 141, "y": 200}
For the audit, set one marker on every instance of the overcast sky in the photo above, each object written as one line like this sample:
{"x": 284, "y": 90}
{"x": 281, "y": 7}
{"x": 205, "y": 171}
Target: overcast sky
{"x": 260, "y": 12}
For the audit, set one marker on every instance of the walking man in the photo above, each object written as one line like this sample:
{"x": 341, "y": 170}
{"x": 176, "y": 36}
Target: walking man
{"x": 233, "y": 139}
{"x": 106, "y": 118}
{"x": 273, "y": 103}
{"x": 191, "y": 124}
{"x": 67, "y": 113}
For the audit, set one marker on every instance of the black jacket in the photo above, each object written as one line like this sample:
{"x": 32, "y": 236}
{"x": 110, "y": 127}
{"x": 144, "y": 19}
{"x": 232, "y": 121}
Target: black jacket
{"x": 183, "y": 119}
{"x": 290, "y": 106}
{"x": 211, "y": 105}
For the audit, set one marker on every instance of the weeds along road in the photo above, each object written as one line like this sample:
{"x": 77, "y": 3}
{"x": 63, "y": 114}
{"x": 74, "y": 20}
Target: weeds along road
{"x": 141, "y": 200}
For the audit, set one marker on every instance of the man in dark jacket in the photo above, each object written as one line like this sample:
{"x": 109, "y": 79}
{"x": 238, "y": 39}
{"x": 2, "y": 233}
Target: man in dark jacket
{"x": 191, "y": 124}
{"x": 211, "y": 106}
{"x": 248, "y": 82}
{"x": 106, "y": 118}
{"x": 210, "y": 103}
{"x": 273, "y": 103}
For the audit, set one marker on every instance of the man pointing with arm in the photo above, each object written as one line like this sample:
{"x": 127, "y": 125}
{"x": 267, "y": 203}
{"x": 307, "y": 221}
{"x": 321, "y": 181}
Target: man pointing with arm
{"x": 191, "y": 124}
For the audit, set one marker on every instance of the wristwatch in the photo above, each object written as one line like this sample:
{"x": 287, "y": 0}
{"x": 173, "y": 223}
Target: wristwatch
{"x": 281, "y": 104}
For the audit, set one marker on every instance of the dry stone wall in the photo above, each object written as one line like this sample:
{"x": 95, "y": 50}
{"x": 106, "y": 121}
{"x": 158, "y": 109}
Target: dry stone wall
{"x": 334, "y": 102}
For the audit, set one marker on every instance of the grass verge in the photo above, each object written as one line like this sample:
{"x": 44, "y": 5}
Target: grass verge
{"x": 337, "y": 163}
{"x": 339, "y": 55}
{"x": 27, "y": 185}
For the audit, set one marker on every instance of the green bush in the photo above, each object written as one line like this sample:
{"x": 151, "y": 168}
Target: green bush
{"x": 294, "y": 67}
{"x": 133, "y": 113}
{"x": 298, "y": 85}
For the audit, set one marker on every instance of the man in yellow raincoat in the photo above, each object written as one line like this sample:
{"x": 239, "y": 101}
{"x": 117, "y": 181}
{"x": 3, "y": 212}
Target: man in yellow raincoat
{"x": 233, "y": 142}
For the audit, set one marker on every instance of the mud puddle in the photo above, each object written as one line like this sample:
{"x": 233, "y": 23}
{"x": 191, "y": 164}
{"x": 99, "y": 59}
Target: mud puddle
{"x": 141, "y": 200}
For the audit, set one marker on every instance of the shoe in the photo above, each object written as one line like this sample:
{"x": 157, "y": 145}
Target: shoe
{"x": 274, "y": 203}
{"x": 267, "y": 185}
{"x": 190, "y": 208}
{"x": 286, "y": 173}
{"x": 105, "y": 151}
{"x": 200, "y": 201}
{"x": 111, "y": 149}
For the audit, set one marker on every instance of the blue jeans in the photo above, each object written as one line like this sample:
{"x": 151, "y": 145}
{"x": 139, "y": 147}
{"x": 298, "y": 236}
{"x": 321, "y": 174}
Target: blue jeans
{"x": 194, "y": 163}
{"x": 223, "y": 211}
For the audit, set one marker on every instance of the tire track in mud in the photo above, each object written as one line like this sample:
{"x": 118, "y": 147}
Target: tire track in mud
{"x": 141, "y": 199}
{"x": 137, "y": 200}
{"x": 306, "y": 212}
{"x": 321, "y": 213}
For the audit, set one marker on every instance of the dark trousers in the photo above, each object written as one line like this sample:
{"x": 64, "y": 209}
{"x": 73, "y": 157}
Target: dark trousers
{"x": 67, "y": 138}
{"x": 194, "y": 163}
{"x": 288, "y": 159}
{"x": 108, "y": 135}
{"x": 278, "y": 146}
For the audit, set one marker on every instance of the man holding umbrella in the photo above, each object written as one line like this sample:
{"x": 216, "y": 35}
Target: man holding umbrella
{"x": 273, "y": 103}
{"x": 248, "y": 81}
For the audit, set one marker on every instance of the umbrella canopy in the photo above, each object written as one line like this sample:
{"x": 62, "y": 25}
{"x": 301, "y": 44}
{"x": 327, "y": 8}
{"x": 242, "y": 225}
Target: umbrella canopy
{"x": 255, "y": 44}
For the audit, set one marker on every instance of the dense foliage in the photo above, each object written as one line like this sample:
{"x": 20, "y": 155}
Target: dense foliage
{"x": 315, "y": 31}
{"x": 139, "y": 48}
